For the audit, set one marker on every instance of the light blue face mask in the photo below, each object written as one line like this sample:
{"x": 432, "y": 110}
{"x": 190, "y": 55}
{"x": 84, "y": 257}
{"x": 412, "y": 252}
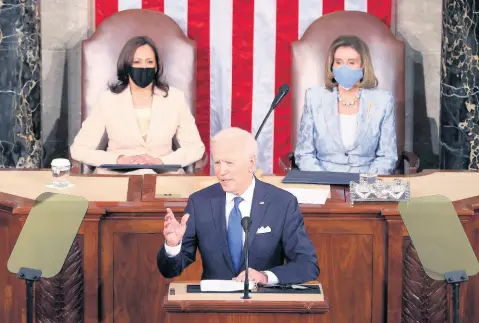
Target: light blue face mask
{"x": 346, "y": 76}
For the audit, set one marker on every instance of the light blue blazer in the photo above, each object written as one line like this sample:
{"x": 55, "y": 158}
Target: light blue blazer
{"x": 319, "y": 146}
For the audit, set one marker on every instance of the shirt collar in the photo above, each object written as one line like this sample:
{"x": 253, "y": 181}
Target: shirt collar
{"x": 247, "y": 195}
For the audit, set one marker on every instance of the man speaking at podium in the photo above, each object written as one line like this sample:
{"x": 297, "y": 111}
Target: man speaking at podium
{"x": 212, "y": 223}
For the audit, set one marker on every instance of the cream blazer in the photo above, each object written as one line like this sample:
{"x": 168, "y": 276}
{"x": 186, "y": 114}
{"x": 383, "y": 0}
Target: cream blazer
{"x": 114, "y": 116}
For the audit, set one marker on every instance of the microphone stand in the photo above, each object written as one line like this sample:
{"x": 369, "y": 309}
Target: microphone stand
{"x": 264, "y": 121}
{"x": 283, "y": 90}
{"x": 246, "y": 224}
{"x": 246, "y": 278}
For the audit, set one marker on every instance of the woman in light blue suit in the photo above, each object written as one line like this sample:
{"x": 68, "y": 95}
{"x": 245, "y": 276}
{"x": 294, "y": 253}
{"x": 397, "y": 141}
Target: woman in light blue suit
{"x": 348, "y": 125}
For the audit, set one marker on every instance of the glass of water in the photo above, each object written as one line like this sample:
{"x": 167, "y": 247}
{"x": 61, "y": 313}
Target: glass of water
{"x": 60, "y": 172}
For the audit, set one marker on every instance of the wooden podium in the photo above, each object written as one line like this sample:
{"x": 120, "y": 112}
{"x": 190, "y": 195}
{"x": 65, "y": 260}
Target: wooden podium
{"x": 370, "y": 270}
{"x": 180, "y": 306}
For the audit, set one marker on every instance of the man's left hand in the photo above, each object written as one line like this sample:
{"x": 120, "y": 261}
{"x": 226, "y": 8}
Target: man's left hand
{"x": 254, "y": 276}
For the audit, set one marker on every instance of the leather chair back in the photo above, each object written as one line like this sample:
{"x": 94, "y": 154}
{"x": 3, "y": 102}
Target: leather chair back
{"x": 310, "y": 53}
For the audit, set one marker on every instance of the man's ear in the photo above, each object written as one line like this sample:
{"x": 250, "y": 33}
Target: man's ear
{"x": 252, "y": 164}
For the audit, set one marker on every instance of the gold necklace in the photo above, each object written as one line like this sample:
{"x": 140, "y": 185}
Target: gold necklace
{"x": 352, "y": 102}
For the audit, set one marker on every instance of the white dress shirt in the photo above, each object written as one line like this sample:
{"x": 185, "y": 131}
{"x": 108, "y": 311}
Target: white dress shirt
{"x": 348, "y": 127}
{"x": 245, "y": 209}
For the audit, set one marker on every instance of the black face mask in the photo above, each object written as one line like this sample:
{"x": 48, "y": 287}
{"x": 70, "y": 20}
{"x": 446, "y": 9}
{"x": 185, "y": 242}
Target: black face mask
{"x": 142, "y": 76}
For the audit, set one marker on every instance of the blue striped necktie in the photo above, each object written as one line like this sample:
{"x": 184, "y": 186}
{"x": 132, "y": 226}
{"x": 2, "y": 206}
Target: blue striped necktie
{"x": 235, "y": 234}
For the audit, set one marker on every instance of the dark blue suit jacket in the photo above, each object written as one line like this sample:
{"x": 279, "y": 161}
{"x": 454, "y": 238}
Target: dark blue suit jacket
{"x": 206, "y": 230}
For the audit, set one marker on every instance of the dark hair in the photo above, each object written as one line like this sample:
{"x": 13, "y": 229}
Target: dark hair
{"x": 125, "y": 61}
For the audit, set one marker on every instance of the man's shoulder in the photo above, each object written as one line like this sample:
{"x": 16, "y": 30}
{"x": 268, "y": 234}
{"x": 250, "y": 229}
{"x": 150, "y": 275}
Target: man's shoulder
{"x": 209, "y": 192}
{"x": 277, "y": 193}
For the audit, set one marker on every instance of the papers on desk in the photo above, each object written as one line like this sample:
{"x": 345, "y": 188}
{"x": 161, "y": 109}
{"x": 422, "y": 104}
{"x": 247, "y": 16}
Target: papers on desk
{"x": 309, "y": 195}
{"x": 223, "y": 286}
{"x": 298, "y": 287}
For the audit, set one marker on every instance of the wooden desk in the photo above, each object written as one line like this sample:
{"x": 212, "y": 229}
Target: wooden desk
{"x": 78, "y": 282}
{"x": 369, "y": 268}
{"x": 180, "y": 306}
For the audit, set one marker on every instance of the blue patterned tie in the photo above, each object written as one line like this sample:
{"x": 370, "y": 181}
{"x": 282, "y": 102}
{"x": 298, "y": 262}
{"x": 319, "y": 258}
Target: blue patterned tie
{"x": 235, "y": 234}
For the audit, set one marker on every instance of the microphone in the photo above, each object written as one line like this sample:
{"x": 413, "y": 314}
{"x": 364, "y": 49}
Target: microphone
{"x": 283, "y": 90}
{"x": 246, "y": 224}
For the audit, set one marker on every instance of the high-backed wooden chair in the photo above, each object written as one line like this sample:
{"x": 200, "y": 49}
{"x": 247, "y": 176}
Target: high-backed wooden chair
{"x": 308, "y": 63}
{"x": 100, "y": 54}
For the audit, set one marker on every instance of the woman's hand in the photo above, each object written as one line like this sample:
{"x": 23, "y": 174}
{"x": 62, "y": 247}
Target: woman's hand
{"x": 123, "y": 160}
{"x": 138, "y": 160}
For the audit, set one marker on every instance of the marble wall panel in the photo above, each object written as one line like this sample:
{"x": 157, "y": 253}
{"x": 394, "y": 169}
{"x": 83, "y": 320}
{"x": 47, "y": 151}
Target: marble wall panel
{"x": 20, "y": 73}
{"x": 459, "y": 130}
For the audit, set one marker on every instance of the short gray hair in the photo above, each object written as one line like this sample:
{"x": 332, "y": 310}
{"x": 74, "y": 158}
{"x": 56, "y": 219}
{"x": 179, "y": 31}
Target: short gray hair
{"x": 246, "y": 138}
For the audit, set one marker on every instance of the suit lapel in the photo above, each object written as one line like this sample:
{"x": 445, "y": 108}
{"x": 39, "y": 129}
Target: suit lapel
{"x": 218, "y": 205}
{"x": 156, "y": 118}
{"x": 363, "y": 118}
{"x": 126, "y": 102}
{"x": 329, "y": 106}
{"x": 258, "y": 211}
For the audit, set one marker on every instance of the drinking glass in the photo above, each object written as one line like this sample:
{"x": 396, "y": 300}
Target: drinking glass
{"x": 60, "y": 172}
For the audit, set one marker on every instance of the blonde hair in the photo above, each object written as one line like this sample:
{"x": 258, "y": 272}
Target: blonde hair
{"x": 369, "y": 79}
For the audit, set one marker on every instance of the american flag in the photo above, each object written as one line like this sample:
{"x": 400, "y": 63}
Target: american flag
{"x": 243, "y": 56}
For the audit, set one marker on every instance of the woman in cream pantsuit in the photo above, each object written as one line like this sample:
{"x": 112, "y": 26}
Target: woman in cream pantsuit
{"x": 348, "y": 125}
{"x": 140, "y": 115}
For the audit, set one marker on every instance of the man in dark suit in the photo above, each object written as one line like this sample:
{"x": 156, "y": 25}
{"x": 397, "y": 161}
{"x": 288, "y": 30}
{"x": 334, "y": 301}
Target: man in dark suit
{"x": 212, "y": 223}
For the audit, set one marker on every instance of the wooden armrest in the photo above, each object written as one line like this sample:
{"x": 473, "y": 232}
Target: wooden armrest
{"x": 200, "y": 164}
{"x": 76, "y": 167}
{"x": 80, "y": 168}
{"x": 286, "y": 163}
{"x": 413, "y": 161}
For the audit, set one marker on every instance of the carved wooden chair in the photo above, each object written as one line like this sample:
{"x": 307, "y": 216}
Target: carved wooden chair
{"x": 388, "y": 55}
{"x": 100, "y": 54}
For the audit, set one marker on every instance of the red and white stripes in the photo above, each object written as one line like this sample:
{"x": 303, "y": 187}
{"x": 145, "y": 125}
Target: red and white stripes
{"x": 243, "y": 52}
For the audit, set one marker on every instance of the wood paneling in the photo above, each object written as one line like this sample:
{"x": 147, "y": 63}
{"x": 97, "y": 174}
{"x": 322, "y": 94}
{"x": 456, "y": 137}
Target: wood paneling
{"x": 345, "y": 253}
{"x": 414, "y": 297}
{"x": 12, "y": 289}
{"x": 350, "y": 273}
{"x": 369, "y": 269}
{"x": 246, "y": 318}
{"x": 70, "y": 296}
{"x": 139, "y": 287}
{"x": 133, "y": 286}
